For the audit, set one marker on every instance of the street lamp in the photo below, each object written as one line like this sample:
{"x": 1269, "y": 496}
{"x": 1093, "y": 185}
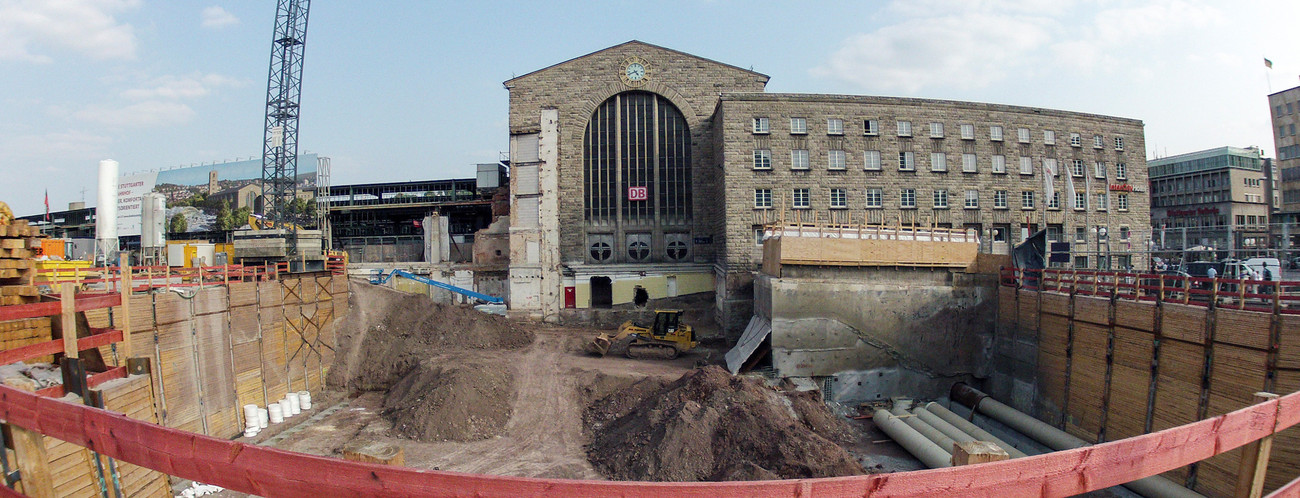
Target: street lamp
{"x": 1099, "y": 233}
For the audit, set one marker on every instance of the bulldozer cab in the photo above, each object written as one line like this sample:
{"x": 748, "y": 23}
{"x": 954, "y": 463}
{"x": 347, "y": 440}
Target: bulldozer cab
{"x": 666, "y": 322}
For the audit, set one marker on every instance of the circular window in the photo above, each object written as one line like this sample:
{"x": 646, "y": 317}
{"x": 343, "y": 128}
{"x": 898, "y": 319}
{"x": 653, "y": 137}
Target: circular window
{"x": 600, "y": 251}
{"x": 638, "y": 250}
{"x": 676, "y": 250}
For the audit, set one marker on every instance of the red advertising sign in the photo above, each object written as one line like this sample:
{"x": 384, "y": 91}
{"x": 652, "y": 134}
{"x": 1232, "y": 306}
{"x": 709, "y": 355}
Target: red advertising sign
{"x": 638, "y": 193}
{"x": 1121, "y": 187}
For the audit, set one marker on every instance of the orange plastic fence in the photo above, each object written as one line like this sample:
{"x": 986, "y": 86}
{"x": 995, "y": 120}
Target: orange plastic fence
{"x": 271, "y": 472}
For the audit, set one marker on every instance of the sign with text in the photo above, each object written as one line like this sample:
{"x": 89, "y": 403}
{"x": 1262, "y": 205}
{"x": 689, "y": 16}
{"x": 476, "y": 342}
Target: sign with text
{"x": 638, "y": 193}
{"x": 1121, "y": 187}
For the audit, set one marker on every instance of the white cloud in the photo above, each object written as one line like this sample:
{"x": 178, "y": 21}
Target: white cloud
{"x": 181, "y": 87}
{"x": 138, "y": 115}
{"x": 31, "y": 28}
{"x": 215, "y": 17}
{"x": 55, "y": 147}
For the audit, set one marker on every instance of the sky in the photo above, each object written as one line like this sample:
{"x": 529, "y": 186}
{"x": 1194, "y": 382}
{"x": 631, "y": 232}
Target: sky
{"x": 408, "y": 90}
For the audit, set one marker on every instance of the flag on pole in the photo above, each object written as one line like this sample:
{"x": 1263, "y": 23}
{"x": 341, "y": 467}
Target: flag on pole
{"x": 1087, "y": 189}
{"x": 1069, "y": 192}
{"x": 47, "y": 204}
{"x": 1049, "y": 171}
{"x": 1268, "y": 63}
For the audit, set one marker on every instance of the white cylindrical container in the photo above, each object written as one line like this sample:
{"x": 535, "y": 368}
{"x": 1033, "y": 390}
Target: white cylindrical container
{"x": 250, "y": 432}
{"x": 294, "y": 404}
{"x": 250, "y": 416}
{"x": 304, "y": 400}
{"x": 274, "y": 413}
{"x": 106, "y": 203}
{"x": 263, "y": 418}
{"x": 286, "y": 408}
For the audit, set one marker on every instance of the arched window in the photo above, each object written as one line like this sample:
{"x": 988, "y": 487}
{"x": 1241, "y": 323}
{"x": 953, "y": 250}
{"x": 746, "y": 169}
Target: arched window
{"x": 637, "y": 140}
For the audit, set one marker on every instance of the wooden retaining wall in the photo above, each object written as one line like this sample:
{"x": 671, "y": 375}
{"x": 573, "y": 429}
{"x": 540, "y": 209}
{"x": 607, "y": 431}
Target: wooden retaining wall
{"x": 1111, "y": 368}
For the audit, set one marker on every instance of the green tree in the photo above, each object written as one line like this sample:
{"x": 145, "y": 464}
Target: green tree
{"x": 178, "y": 224}
{"x": 225, "y": 219}
{"x": 240, "y": 217}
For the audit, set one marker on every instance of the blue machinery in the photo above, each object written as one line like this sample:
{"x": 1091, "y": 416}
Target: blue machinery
{"x": 380, "y": 278}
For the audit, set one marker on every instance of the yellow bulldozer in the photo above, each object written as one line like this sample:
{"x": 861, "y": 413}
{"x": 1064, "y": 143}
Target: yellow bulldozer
{"x": 665, "y": 339}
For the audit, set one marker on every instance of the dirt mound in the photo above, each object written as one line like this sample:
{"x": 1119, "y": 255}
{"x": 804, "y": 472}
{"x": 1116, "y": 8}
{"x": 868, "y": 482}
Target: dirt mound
{"x": 387, "y": 333}
{"x": 465, "y": 402}
{"x": 711, "y": 426}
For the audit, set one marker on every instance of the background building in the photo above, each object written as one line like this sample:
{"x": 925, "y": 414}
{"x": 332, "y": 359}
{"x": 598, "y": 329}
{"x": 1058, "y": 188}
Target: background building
{"x": 1215, "y": 198}
{"x": 1285, "y": 107}
{"x": 641, "y": 172}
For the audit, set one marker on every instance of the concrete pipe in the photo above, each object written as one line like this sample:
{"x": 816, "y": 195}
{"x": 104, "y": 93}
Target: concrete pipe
{"x": 935, "y": 435}
{"x": 946, "y": 428}
{"x": 923, "y": 449}
{"x": 1056, "y": 439}
{"x": 966, "y": 426}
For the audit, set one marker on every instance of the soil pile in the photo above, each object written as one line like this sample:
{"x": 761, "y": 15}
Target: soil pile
{"x": 711, "y": 426}
{"x": 464, "y": 402}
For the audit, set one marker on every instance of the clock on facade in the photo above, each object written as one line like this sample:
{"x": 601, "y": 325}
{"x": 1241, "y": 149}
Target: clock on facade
{"x": 635, "y": 71}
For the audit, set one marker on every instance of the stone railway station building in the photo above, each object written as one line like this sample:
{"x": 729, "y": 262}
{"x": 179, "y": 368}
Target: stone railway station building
{"x": 643, "y": 170}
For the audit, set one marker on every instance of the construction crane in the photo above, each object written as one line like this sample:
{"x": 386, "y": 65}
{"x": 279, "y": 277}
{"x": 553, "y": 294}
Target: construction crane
{"x": 280, "y": 140}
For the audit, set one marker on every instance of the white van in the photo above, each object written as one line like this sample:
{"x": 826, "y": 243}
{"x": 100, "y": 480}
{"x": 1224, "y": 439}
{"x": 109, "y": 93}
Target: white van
{"x": 1258, "y": 265}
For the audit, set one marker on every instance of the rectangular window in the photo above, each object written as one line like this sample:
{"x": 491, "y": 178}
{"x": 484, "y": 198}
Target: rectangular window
{"x": 1098, "y": 169}
{"x": 762, "y": 198}
{"x": 870, "y": 127}
{"x": 801, "y": 199}
{"x": 1026, "y": 199}
{"x": 874, "y": 198}
{"x": 968, "y": 132}
{"x": 1080, "y": 201}
{"x": 969, "y": 164}
{"x": 1055, "y": 201}
{"x": 1281, "y": 130}
{"x": 799, "y": 159}
{"x": 1022, "y": 135}
{"x": 906, "y": 161}
{"x": 1279, "y": 110}
{"x": 1049, "y": 137}
{"x": 1288, "y": 108}
{"x": 1123, "y": 234}
{"x": 834, "y": 159}
{"x": 1076, "y": 140}
{"x": 871, "y": 160}
{"x": 761, "y": 126}
{"x": 1119, "y": 143}
{"x": 1102, "y": 201}
{"x": 839, "y": 199}
{"x": 834, "y": 126}
{"x": 1080, "y": 234}
{"x": 999, "y": 199}
{"x": 1049, "y": 166}
{"x": 1026, "y": 165}
{"x": 1291, "y": 127}
{"x": 1121, "y": 171}
{"x": 972, "y": 199}
{"x": 941, "y": 199}
{"x": 995, "y": 133}
{"x": 798, "y": 126}
{"x": 1076, "y": 168}
{"x": 936, "y": 130}
{"x": 1098, "y": 142}
{"x": 762, "y": 159}
{"x": 907, "y": 198}
{"x": 1121, "y": 201}
{"x": 938, "y": 161}
{"x": 1080, "y": 261}
{"x": 904, "y": 128}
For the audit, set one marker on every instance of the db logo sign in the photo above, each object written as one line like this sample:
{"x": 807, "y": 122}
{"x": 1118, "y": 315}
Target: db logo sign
{"x": 637, "y": 194}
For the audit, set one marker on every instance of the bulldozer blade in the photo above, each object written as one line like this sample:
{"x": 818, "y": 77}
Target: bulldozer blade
{"x": 598, "y": 346}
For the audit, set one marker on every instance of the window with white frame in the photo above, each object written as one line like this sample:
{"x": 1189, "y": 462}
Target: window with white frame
{"x": 1055, "y": 201}
{"x": 1026, "y": 165}
{"x": 1119, "y": 143}
{"x": 799, "y": 159}
{"x": 1121, "y": 201}
{"x": 871, "y": 160}
{"x": 941, "y": 199}
{"x": 972, "y": 199}
{"x": 999, "y": 199}
{"x": 1076, "y": 140}
{"x": 1049, "y": 164}
{"x": 761, "y": 126}
{"x": 834, "y": 126}
{"x": 870, "y": 127}
{"x": 835, "y": 159}
{"x": 798, "y": 126}
{"x": 874, "y": 198}
{"x": 1076, "y": 168}
{"x": 839, "y": 198}
{"x": 995, "y": 133}
{"x": 762, "y": 198}
{"x": 1099, "y": 169}
{"x": 1080, "y": 201}
{"x": 1098, "y": 142}
{"x": 1026, "y": 199}
{"x": 907, "y": 198}
{"x": 904, "y": 128}
{"x": 969, "y": 164}
{"x": 938, "y": 161}
{"x": 1049, "y": 137}
{"x": 968, "y": 132}
{"x": 800, "y": 199}
{"x": 936, "y": 130}
{"x": 1102, "y": 201}
{"x": 1121, "y": 171}
{"x": 1022, "y": 135}
{"x": 762, "y": 159}
{"x": 906, "y": 161}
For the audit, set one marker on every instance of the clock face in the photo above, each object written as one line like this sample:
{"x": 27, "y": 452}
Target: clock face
{"x": 635, "y": 71}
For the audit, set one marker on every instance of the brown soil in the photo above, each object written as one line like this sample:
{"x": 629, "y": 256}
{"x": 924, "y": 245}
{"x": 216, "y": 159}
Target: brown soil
{"x": 711, "y": 426}
{"x": 464, "y": 402}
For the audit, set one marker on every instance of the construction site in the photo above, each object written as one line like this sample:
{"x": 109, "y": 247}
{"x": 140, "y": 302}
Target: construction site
{"x": 619, "y": 307}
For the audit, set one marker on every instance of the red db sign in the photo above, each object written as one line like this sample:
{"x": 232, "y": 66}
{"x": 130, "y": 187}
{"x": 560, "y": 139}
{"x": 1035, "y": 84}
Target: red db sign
{"x": 637, "y": 194}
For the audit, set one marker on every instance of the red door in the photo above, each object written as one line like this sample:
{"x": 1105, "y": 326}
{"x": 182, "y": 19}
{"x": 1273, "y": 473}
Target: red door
{"x": 570, "y": 297}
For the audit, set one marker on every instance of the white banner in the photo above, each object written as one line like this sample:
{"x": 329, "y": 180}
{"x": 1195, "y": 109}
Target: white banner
{"x": 129, "y": 190}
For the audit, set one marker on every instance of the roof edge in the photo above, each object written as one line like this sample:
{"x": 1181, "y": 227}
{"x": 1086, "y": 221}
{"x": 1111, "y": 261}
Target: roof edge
{"x": 508, "y": 82}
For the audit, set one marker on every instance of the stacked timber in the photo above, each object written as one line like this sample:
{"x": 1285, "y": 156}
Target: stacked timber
{"x": 17, "y": 269}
